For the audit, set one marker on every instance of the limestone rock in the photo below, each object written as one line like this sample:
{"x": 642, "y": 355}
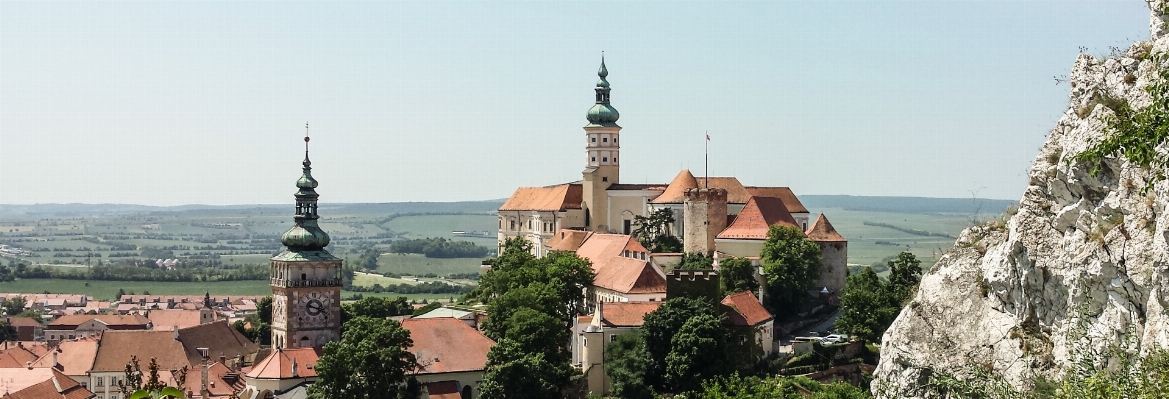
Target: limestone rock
{"x": 1081, "y": 265}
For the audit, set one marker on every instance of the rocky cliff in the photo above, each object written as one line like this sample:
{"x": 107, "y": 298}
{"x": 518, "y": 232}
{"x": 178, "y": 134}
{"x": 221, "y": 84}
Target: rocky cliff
{"x": 1078, "y": 271}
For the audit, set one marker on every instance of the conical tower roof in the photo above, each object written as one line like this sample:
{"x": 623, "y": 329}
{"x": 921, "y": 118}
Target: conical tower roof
{"x": 676, "y": 192}
{"x": 822, "y": 231}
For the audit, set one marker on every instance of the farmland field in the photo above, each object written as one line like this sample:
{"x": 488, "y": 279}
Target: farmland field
{"x": 415, "y": 264}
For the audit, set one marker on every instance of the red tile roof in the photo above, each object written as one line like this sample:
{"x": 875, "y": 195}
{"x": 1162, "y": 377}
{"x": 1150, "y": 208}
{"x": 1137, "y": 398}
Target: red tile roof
{"x": 743, "y": 309}
{"x": 74, "y": 357}
{"x": 736, "y": 193}
{"x": 112, "y": 321}
{"x": 626, "y": 314}
{"x": 757, "y": 217}
{"x": 618, "y": 273}
{"x": 789, "y": 198}
{"x": 676, "y": 191}
{"x": 554, "y": 198}
{"x": 168, "y": 319}
{"x": 23, "y": 322}
{"x": 443, "y": 390}
{"x": 278, "y": 365}
{"x": 568, "y": 240}
{"x": 16, "y": 357}
{"x": 822, "y": 231}
{"x": 41, "y": 383}
{"x": 446, "y": 345}
{"x": 219, "y": 339}
{"x": 116, "y": 347}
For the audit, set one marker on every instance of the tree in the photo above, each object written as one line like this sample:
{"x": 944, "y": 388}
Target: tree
{"x": 372, "y": 360}
{"x": 696, "y": 261}
{"x": 264, "y": 309}
{"x": 564, "y": 273}
{"x": 627, "y": 363}
{"x": 659, "y": 328}
{"x": 5, "y": 333}
{"x": 13, "y": 306}
{"x": 751, "y": 387}
{"x": 697, "y": 353}
{"x": 865, "y": 311}
{"x": 538, "y": 296}
{"x": 737, "y": 275}
{"x": 513, "y": 373}
{"x": 904, "y": 276}
{"x": 537, "y": 332}
{"x": 426, "y": 309}
{"x": 653, "y": 231}
{"x": 380, "y": 307}
{"x": 792, "y": 265}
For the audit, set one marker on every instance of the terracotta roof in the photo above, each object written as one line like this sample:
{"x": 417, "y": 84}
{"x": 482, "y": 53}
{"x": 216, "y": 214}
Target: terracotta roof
{"x": 789, "y": 198}
{"x": 743, "y": 309}
{"x": 219, "y": 339}
{"x": 626, "y": 314}
{"x": 568, "y": 240}
{"x": 757, "y": 217}
{"x": 168, "y": 319}
{"x": 447, "y": 345}
{"x": 675, "y": 192}
{"x": 618, "y": 273}
{"x": 278, "y": 365}
{"x": 38, "y": 348}
{"x": 622, "y": 187}
{"x": 112, "y": 321}
{"x": 822, "y": 231}
{"x": 116, "y": 347}
{"x": 41, "y": 383}
{"x": 23, "y": 322}
{"x": 443, "y": 390}
{"x": 217, "y": 380}
{"x": 554, "y": 198}
{"x": 74, "y": 357}
{"x": 16, "y": 357}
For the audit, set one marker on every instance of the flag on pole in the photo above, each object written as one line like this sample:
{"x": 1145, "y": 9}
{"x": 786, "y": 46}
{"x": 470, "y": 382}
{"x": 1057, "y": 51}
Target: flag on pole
{"x": 708, "y": 137}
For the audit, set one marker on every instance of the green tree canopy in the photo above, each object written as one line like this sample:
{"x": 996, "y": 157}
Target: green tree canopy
{"x": 380, "y": 307}
{"x": 697, "y": 353}
{"x": 372, "y": 360}
{"x": 792, "y": 265}
{"x": 870, "y": 304}
{"x": 515, "y": 373}
{"x": 537, "y": 332}
{"x": 264, "y": 309}
{"x": 13, "y": 306}
{"x": 627, "y": 364}
{"x": 563, "y": 273}
{"x": 737, "y": 275}
{"x": 653, "y": 231}
{"x": 696, "y": 261}
{"x": 659, "y": 329}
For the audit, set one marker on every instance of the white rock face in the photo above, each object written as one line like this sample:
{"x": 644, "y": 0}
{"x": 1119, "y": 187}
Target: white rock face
{"x": 1084, "y": 256}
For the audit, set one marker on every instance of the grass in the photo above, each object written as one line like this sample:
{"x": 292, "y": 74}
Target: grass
{"x": 415, "y": 264}
{"x": 442, "y": 225}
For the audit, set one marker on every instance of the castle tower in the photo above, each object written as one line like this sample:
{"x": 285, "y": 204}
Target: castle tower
{"x": 602, "y": 155}
{"x": 704, "y": 216}
{"x": 305, "y": 278}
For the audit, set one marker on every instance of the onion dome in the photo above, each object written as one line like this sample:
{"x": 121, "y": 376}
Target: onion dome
{"x": 602, "y": 113}
{"x": 306, "y": 235}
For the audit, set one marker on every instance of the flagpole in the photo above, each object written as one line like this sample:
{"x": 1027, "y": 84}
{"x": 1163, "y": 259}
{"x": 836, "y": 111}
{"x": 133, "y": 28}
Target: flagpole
{"x": 707, "y": 173}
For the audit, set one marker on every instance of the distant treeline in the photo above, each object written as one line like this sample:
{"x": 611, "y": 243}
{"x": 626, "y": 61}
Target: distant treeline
{"x": 433, "y": 287}
{"x": 439, "y": 248}
{"x": 918, "y": 205}
{"x": 915, "y": 232}
{"x": 131, "y": 273}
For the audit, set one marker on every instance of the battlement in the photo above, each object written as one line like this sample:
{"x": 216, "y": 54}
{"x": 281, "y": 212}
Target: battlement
{"x": 693, "y": 284}
{"x": 706, "y": 194}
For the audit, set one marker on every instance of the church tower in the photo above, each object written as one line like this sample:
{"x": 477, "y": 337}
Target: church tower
{"x": 602, "y": 156}
{"x": 305, "y": 278}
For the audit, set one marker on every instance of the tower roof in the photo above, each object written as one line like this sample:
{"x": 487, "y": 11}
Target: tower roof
{"x": 756, "y": 219}
{"x": 306, "y": 235}
{"x": 602, "y": 113}
{"x": 822, "y": 231}
{"x": 676, "y": 192}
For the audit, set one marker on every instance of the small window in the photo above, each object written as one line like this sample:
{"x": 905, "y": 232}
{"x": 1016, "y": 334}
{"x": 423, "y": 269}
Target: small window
{"x": 612, "y": 337}
{"x": 303, "y": 277}
{"x": 606, "y": 178}
{"x": 512, "y": 224}
{"x": 594, "y": 159}
{"x": 605, "y": 140}
{"x": 614, "y": 159}
{"x": 594, "y": 139}
{"x": 605, "y": 159}
{"x": 614, "y": 140}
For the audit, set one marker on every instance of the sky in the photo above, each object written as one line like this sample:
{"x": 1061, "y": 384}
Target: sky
{"x": 170, "y": 103}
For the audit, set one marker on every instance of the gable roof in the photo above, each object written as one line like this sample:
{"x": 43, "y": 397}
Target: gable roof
{"x": 736, "y": 193}
{"x": 789, "y": 198}
{"x": 278, "y": 365}
{"x": 169, "y": 319}
{"x": 552, "y": 198}
{"x": 445, "y": 345}
{"x": 822, "y": 231}
{"x": 41, "y": 383}
{"x": 568, "y": 240}
{"x": 16, "y": 357}
{"x": 743, "y": 309}
{"x": 23, "y": 322}
{"x": 112, "y": 321}
{"x": 626, "y": 314}
{"x": 219, "y": 339}
{"x": 618, "y": 273}
{"x": 756, "y": 219}
{"x": 675, "y": 192}
{"x": 74, "y": 357}
{"x": 116, "y": 347}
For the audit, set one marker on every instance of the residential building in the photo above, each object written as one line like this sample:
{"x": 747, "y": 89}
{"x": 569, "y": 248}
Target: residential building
{"x": 26, "y": 328}
{"x": 73, "y": 358}
{"x": 116, "y": 348}
{"x": 170, "y": 319}
{"x": 450, "y": 353}
{"x": 282, "y": 373}
{"x": 623, "y": 270}
{"x": 591, "y": 334}
{"x": 754, "y": 325}
{"x": 80, "y": 326}
{"x": 40, "y": 383}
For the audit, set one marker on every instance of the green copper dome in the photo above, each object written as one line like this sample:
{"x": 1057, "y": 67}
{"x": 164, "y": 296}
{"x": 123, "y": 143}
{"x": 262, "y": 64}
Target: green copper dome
{"x": 602, "y": 113}
{"x": 306, "y": 181}
{"x": 306, "y": 235}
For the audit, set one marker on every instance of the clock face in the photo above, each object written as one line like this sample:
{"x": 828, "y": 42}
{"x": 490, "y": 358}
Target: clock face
{"x": 315, "y": 307}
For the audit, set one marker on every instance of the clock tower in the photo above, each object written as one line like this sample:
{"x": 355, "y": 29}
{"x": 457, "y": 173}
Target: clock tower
{"x": 305, "y": 278}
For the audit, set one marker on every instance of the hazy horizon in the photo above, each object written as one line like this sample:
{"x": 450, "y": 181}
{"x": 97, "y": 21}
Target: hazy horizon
{"x": 204, "y": 103}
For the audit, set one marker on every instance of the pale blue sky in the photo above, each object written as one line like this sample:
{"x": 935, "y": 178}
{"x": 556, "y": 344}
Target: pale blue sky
{"x": 167, "y": 103}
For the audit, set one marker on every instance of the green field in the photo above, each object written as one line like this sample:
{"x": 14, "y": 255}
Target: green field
{"x": 862, "y": 239}
{"x": 415, "y": 264}
{"x": 442, "y": 225}
{"x": 108, "y": 290}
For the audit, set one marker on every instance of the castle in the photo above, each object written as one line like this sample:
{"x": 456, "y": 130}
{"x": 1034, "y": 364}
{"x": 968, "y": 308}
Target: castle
{"x": 717, "y": 216}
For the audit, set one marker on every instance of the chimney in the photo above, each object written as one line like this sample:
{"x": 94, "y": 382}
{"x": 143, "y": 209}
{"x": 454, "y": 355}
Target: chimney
{"x": 223, "y": 360}
{"x": 55, "y": 360}
{"x": 295, "y": 373}
{"x": 175, "y": 333}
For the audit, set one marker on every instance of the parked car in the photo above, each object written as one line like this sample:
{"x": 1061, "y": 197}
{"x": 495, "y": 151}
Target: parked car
{"x": 835, "y": 339}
